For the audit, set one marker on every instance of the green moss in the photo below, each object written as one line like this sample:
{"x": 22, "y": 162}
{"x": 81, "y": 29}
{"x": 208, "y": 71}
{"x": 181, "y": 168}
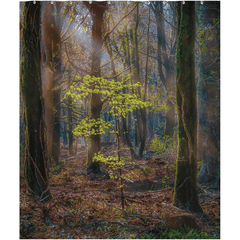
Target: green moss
{"x": 185, "y": 191}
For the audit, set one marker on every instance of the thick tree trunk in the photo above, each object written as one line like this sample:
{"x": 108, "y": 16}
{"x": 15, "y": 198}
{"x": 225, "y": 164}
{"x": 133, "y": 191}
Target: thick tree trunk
{"x": 31, "y": 87}
{"x": 97, "y": 10}
{"x": 209, "y": 98}
{"x": 185, "y": 189}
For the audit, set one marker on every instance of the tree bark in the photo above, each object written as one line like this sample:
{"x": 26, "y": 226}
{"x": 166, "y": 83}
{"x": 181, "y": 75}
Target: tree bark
{"x": 57, "y": 64}
{"x": 47, "y": 73}
{"x": 51, "y": 58}
{"x": 97, "y": 10}
{"x": 168, "y": 80}
{"x": 185, "y": 189}
{"x": 31, "y": 86}
{"x": 64, "y": 133}
{"x": 140, "y": 113}
{"x": 70, "y": 122}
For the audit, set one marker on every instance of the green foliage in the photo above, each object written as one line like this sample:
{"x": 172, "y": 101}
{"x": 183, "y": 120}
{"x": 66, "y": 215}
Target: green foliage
{"x": 88, "y": 127}
{"x": 112, "y": 162}
{"x": 181, "y": 233}
{"x": 111, "y": 91}
{"x": 147, "y": 169}
{"x": 119, "y": 104}
{"x": 162, "y": 146}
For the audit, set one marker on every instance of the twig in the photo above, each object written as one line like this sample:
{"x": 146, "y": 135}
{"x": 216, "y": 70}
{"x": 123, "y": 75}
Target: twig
{"x": 128, "y": 180}
{"x": 135, "y": 201}
{"x": 119, "y": 22}
{"x": 155, "y": 191}
{"x": 183, "y": 182}
{"x": 118, "y": 73}
{"x": 63, "y": 40}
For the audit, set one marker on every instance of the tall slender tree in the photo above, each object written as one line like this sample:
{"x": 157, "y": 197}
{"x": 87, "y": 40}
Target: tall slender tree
{"x": 97, "y": 10}
{"x": 51, "y": 52}
{"x": 57, "y": 64}
{"x": 140, "y": 113}
{"x": 165, "y": 61}
{"x": 185, "y": 189}
{"x": 31, "y": 86}
{"x": 47, "y": 73}
{"x": 70, "y": 118}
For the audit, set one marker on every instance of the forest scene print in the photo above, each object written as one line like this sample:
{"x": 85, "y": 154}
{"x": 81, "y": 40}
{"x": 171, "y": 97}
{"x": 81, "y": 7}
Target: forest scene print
{"x": 119, "y": 119}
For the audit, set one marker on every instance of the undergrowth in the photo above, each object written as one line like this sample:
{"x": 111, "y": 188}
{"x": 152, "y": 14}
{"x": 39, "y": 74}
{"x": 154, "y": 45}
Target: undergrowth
{"x": 181, "y": 233}
{"x": 89, "y": 206}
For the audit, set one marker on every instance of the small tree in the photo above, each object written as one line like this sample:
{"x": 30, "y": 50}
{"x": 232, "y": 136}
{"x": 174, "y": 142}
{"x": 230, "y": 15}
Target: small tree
{"x": 119, "y": 104}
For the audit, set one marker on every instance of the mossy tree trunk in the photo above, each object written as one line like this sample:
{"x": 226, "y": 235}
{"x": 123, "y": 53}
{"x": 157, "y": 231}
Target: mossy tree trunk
{"x": 31, "y": 86}
{"x": 185, "y": 189}
{"x": 97, "y": 10}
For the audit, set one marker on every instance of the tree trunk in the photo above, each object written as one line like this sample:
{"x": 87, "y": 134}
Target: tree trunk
{"x": 51, "y": 57}
{"x": 140, "y": 113}
{"x": 31, "y": 87}
{"x": 209, "y": 98}
{"x": 125, "y": 128}
{"x": 57, "y": 64}
{"x": 185, "y": 189}
{"x": 64, "y": 133}
{"x": 70, "y": 122}
{"x": 97, "y": 10}
{"x": 168, "y": 80}
{"x": 47, "y": 73}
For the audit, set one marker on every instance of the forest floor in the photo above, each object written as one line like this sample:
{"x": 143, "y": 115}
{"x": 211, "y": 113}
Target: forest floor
{"x": 89, "y": 206}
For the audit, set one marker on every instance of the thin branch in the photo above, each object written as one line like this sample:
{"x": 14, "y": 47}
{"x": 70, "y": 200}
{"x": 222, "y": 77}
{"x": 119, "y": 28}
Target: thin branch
{"x": 78, "y": 69}
{"x": 118, "y": 73}
{"x": 63, "y": 40}
{"x": 119, "y": 22}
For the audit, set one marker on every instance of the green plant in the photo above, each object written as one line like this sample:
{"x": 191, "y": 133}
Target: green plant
{"x": 116, "y": 163}
{"x": 119, "y": 104}
{"x": 199, "y": 165}
{"x": 162, "y": 146}
{"x": 181, "y": 233}
{"x": 146, "y": 169}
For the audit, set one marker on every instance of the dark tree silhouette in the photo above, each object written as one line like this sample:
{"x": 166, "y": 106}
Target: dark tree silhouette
{"x": 31, "y": 86}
